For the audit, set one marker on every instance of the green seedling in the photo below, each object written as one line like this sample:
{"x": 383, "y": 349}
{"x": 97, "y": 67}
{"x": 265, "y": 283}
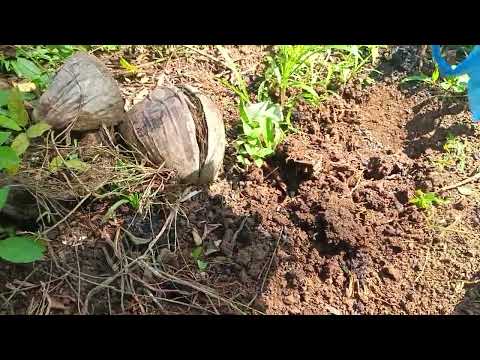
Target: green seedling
{"x": 262, "y": 132}
{"x": 312, "y": 71}
{"x": 18, "y": 249}
{"x": 456, "y": 85}
{"x": 432, "y": 79}
{"x": 198, "y": 254}
{"x": 131, "y": 69}
{"x": 455, "y": 154}
{"x": 16, "y": 131}
{"x": 426, "y": 200}
{"x": 293, "y": 72}
{"x": 134, "y": 200}
{"x": 71, "y": 162}
{"x": 238, "y": 86}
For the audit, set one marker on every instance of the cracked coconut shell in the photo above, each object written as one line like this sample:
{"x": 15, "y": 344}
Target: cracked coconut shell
{"x": 181, "y": 128}
{"x": 83, "y": 95}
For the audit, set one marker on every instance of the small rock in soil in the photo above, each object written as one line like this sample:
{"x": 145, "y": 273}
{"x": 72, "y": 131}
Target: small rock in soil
{"x": 292, "y": 279}
{"x": 391, "y": 272}
{"x": 290, "y": 300}
{"x": 390, "y": 230}
{"x": 460, "y": 205}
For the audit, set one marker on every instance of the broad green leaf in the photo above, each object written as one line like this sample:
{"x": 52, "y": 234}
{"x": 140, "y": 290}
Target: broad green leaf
{"x": 256, "y": 133}
{"x": 8, "y": 123}
{"x": 263, "y": 153}
{"x": 12, "y": 170}
{"x": 3, "y": 196}
{"x": 4, "y": 135}
{"x": 247, "y": 129}
{"x": 197, "y": 252}
{"x": 20, "y": 143}
{"x": 37, "y": 130}
{"x": 435, "y": 74}
{"x": 240, "y": 159}
{"x": 202, "y": 265}
{"x": 26, "y": 69}
{"x": 73, "y": 164}
{"x": 77, "y": 165}
{"x": 275, "y": 112}
{"x": 269, "y": 136}
{"x": 21, "y": 249}
{"x": 279, "y": 135}
{"x": 262, "y": 121}
{"x": 259, "y": 162}
{"x": 8, "y": 157}
{"x": 16, "y": 108}
{"x": 250, "y": 150}
{"x": 4, "y": 94}
{"x": 256, "y": 110}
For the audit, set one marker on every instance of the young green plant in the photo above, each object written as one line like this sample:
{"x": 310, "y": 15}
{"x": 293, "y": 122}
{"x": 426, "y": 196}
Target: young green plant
{"x": 198, "y": 255}
{"x": 426, "y": 201}
{"x": 18, "y": 249}
{"x": 455, "y": 154}
{"x": 262, "y": 132}
{"x": 14, "y": 119}
{"x": 16, "y": 130}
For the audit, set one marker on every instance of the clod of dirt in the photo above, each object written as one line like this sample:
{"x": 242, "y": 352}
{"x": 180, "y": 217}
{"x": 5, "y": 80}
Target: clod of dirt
{"x": 181, "y": 128}
{"x": 379, "y": 168}
{"x": 243, "y": 257}
{"x": 391, "y": 272}
{"x": 338, "y": 230}
{"x": 291, "y": 299}
{"x": 82, "y": 95}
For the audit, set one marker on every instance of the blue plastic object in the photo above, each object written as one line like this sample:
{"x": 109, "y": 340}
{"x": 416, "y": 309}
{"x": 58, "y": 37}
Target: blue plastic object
{"x": 470, "y": 66}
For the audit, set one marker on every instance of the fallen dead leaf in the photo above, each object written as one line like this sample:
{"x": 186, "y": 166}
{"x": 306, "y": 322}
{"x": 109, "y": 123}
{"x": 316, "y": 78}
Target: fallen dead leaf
{"x": 197, "y": 239}
{"x": 26, "y": 86}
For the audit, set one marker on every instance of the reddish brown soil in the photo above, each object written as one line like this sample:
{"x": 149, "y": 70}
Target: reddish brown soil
{"x": 326, "y": 226}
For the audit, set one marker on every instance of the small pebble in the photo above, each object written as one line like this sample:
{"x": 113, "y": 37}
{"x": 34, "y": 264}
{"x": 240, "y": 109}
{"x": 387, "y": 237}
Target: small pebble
{"x": 290, "y": 300}
{"x": 391, "y": 272}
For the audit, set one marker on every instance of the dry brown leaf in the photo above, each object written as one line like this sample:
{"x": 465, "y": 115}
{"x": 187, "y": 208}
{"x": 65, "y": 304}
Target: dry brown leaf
{"x": 26, "y": 86}
{"x": 197, "y": 239}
